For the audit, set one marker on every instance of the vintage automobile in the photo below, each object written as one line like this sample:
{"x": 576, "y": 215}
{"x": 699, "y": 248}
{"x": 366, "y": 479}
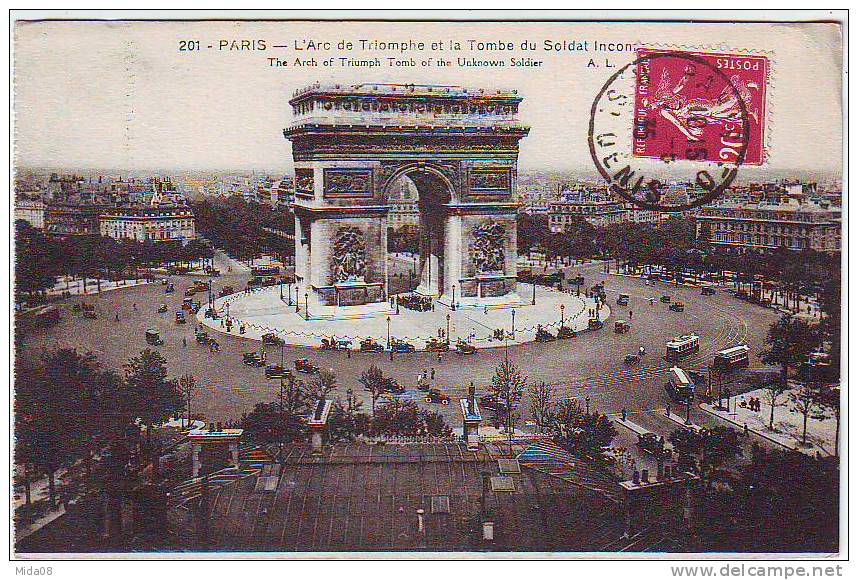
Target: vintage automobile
{"x": 632, "y": 359}
{"x": 253, "y": 359}
{"x": 226, "y": 291}
{"x": 651, "y": 443}
{"x": 677, "y": 307}
{"x": 180, "y": 317}
{"x": 437, "y": 345}
{"x": 565, "y": 332}
{"x": 200, "y": 286}
{"x": 88, "y": 310}
{"x": 543, "y": 335}
{"x": 369, "y": 345}
{"x": 162, "y": 309}
{"x": 595, "y": 324}
{"x": 708, "y": 291}
{"x": 665, "y": 299}
{"x": 401, "y": 346}
{"x": 334, "y": 343}
{"x": 201, "y": 336}
{"x": 272, "y": 339}
{"x": 436, "y": 396}
{"x": 623, "y": 300}
{"x": 276, "y": 372}
{"x": 190, "y": 291}
{"x": 214, "y": 345}
{"x": 153, "y": 337}
{"x": 621, "y": 327}
{"x": 463, "y": 347}
{"x": 170, "y": 288}
{"x": 393, "y": 386}
{"x": 303, "y": 365}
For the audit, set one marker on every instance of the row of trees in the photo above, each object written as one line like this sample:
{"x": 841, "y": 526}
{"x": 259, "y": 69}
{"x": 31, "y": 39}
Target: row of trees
{"x": 40, "y": 259}
{"x": 245, "y": 230}
{"x": 68, "y": 408}
{"x": 282, "y": 421}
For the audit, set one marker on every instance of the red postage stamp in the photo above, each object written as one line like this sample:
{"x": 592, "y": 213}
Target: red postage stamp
{"x": 700, "y": 106}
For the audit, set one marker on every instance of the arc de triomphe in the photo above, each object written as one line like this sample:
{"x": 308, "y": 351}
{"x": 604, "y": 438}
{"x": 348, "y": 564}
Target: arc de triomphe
{"x": 458, "y": 146}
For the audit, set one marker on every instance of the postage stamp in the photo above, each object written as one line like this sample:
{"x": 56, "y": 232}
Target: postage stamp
{"x": 687, "y": 110}
{"x": 676, "y": 115}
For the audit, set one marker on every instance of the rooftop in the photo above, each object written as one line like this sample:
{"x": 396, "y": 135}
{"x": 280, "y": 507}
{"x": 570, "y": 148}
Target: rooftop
{"x": 364, "y": 497}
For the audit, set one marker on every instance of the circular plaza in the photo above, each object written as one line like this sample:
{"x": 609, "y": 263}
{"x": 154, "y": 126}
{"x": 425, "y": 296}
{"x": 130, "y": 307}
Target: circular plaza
{"x": 256, "y": 313}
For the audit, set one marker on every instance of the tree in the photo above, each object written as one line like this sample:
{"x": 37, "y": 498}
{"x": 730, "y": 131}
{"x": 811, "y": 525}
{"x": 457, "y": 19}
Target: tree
{"x": 581, "y": 432}
{"x": 687, "y": 443}
{"x": 189, "y": 389}
{"x": 405, "y": 418}
{"x": 267, "y": 424}
{"x": 154, "y": 396}
{"x": 790, "y": 341}
{"x": 321, "y": 385}
{"x": 772, "y": 393}
{"x": 541, "y": 396}
{"x": 347, "y": 422}
{"x": 805, "y": 400}
{"x": 507, "y": 386}
{"x": 373, "y": 382}
{"x": 828, "y": 398}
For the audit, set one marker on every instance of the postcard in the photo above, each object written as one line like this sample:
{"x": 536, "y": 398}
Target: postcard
{"x": 427, "y": 288}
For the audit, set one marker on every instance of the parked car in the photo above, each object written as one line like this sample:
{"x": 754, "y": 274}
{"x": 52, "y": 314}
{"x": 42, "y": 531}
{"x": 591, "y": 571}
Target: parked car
{"x": 202, "y": 337}
{"x": 543, "y": 335}
{"x": 436, "y": 396}
{"x": 272, "y": 339}
{"x": 677, "y": 307}
{"x": 303, "y": 365}
{"x": 437, "y": 345}
{"x": 566, "y": 332}
{"x": 226, "y": 291}
{"x": 180, "y": 317}
{"x": 162, "y": 309}
{"x": 623, "y": 300}
{"x": 595, "y": 324}
{"x": 665, "y": 299}
{"x": 369, "y": 345}
{"x": 463, "y": 347}
{"x": 632, "y": 359}
{"x": 170, "y": 288}
{"x": 190, "y": 291}
{"x": 254, "y": 359}
{"x": 335, "y": 344}
{"x": 621, "y": 327}
{"x": 708, "y": 291}
{"x": 401, "y": 346}
{"x": 275, "y": 372}
{"x": 153, "y": 337}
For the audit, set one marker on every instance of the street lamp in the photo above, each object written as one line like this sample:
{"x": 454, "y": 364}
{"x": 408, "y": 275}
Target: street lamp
{"x": 562, "y": 319}
{"x": 388, "y": 332}
{"x": 587, "y": 403}
{"x": 281, "y": 289}
{"x": 307, "y": 305}
{"x": 453, "y": 301}
{"x": 349, "y": 395}
{"x": 513, "y": 323}
{"x": 533, "y": 299}
{"x": 448, "y": 329}
{"x": 688, "y": 407}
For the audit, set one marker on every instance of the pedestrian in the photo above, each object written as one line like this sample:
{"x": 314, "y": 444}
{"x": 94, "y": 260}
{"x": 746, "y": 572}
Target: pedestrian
{"x": 391, "y": 355}
{"x": 348, "y": 353}
{"x": 433, "y": 373}
{"x": 134, "y": 306}
{"x": 184, "y": 342}
{"x": 116, "y": 317}
{"x": 746, "y": 430}
{"x": 625, "y": 414}
{"x": 439, "y": 357}
{"x": 630, "y": 314}
{"x": 668, "y": 410}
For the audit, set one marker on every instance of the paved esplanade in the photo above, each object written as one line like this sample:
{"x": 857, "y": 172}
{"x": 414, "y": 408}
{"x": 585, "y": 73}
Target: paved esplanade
{"x": 261, "y": 312}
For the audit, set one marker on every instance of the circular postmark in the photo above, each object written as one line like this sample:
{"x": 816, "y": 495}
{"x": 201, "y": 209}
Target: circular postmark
{"x": 669, "y": 131}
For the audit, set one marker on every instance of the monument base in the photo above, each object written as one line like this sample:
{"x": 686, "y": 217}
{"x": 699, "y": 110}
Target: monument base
{"x": 510, "y": 300}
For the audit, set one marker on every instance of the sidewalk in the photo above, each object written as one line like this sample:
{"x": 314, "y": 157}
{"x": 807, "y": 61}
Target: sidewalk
{"x": 76, "y": 288}
{"x": 787, "y": 426}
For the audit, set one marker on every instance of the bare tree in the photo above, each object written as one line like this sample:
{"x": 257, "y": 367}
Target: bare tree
{"x": 805, "y": 400}
{"x": 541, "y": 397}
{"x": 189, "y": 389}
{"x": 373, "y": 383}
{"x": 507, "y": 386}
{"x": 321, "y": 385}
{"x": 772, "y": 393}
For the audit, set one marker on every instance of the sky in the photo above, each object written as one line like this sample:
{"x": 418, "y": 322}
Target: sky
{"x": 122, "y": 95}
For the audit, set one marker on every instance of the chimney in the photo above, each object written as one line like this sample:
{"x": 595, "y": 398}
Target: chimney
{"x": 645, "y": 475}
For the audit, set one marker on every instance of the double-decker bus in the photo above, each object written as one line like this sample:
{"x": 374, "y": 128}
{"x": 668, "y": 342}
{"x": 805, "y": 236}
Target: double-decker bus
{"x": 679, "y": 385}
{"x": 682, "y": 346}
{"x": 735, "y": 357}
